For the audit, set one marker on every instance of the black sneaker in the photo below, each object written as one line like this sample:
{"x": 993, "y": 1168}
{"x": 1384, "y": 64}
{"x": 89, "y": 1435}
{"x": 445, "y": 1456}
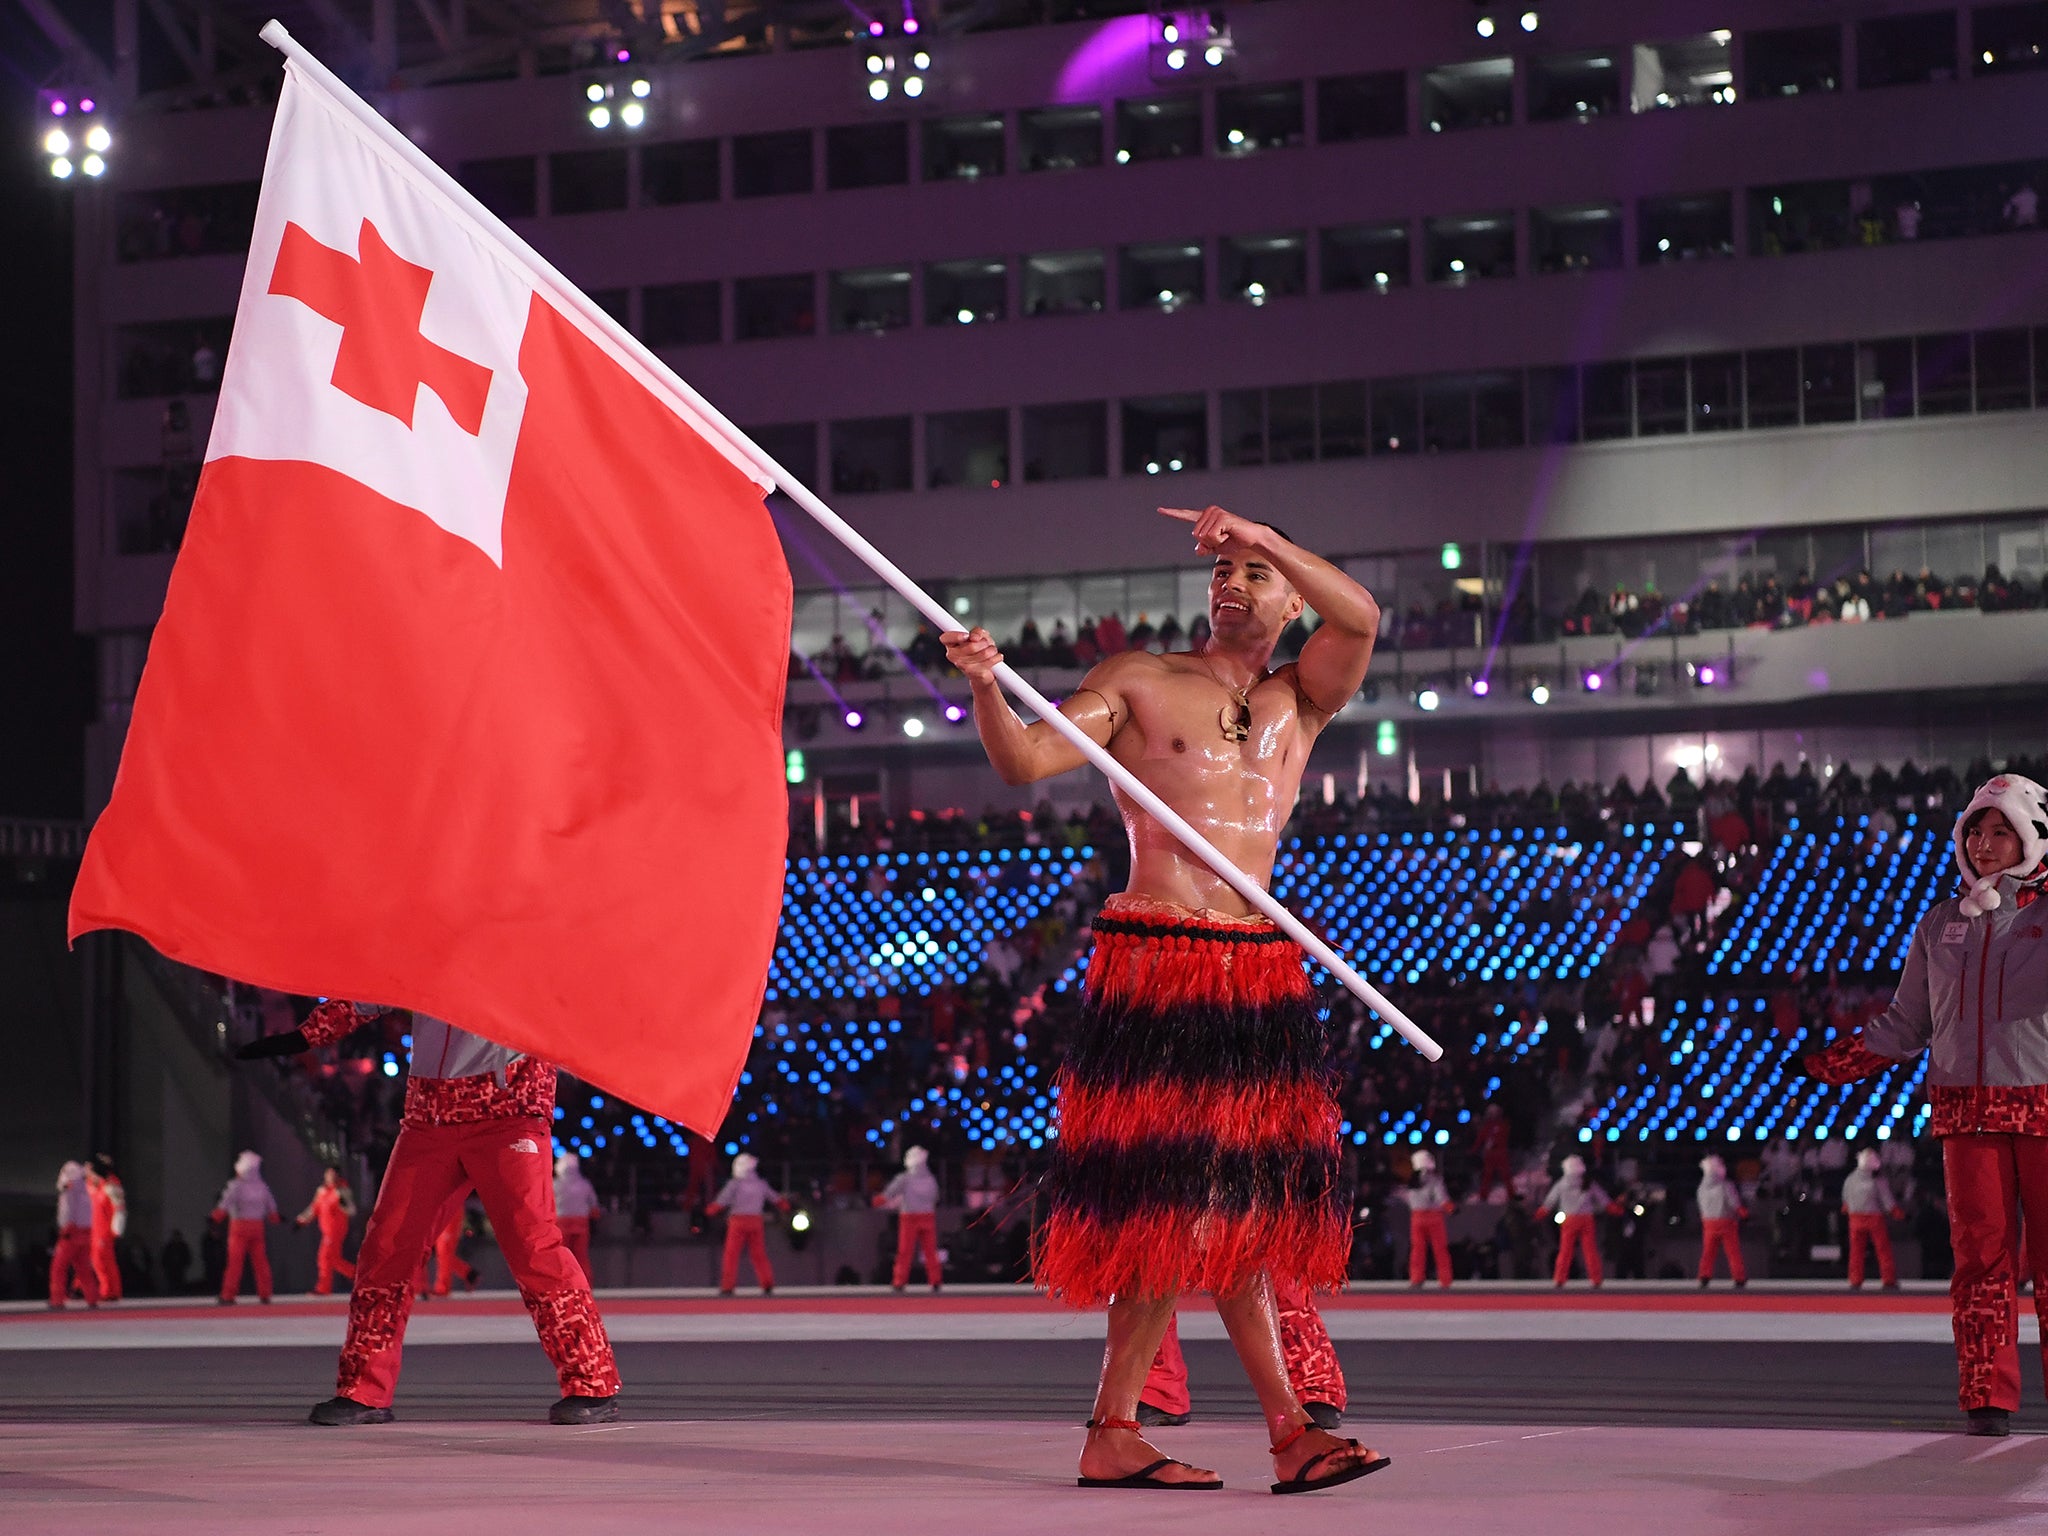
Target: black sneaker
{"x": 1994, "y": 1422}
{"x": 584, "y": 1410}
{"x": 1324, "y": 1415}
{"x": 1159, "y": 1418}
{"x": 346, "y": 1411}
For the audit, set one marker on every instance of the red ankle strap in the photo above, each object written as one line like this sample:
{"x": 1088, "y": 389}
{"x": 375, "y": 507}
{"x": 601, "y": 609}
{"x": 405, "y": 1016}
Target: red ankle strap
{"x": 1114, "y": 1424}
{"x": 1299, "y": 1431}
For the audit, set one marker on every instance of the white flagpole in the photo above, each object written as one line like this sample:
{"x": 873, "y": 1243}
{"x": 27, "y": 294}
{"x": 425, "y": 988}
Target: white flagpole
{"x": 660, "y": 376}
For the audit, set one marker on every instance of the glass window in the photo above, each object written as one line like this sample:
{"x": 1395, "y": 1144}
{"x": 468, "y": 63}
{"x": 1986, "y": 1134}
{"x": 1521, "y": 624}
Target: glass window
{"x": 1159, "y": 128}
{"x": 793, "y": 445}
{"x": 1475, "y": 95}
{"x": 1906, "y": 50}
{"x": 1396, "y": 416}
{"x": 1354, "y": 107}
{"x": 1243, "y": 414}
{"x": 1717, "y": 392}
{"x": 870, "y": 299}
{"x": 966, "y": 292}
{"x": 963, "y": 148}
{"x": 1585, "y": 238}
{"x": 1941, "y": 374}
{"x": 970, "y": 448}
{"x": 1574, "y": 87}
{"x": 1060, "y": 138}
{"x": 1691, "y": 72}
{"x": 1064, "y": 283}
{"x": 1259, "y": 268}
{"x": 170, "y": 357}
{"x": 1884, "y": 379}
{"x": 771, "y": 164}
{"x": 683, "y": 172}
{"x": 1447, "y": 414}
{"x": 867, "y": 155}
{"x": 1365, "y": 258}
{"x": 1662, "y": 407}
{"x": 1165, "y": 434}
{"x": 681, "y": 315}
{"x": 1464, "y": 249}
{"x": 1827, "y": 383}
{"x": 872, "y": 454}
{"x": 768, "y": 307}
{"x": 1609, "y": 401}
{"x": 1497, "y": 410}
{"x": 1066, "y": 442}
{"x": 1772, "y": 393}
{"x": 1250, "y": 118}
{"x": 508, "y": 186}
{"x": 1800, "y": 216}
{"x": 1291, "y": 424}
{"x": 1554, "y": 405}
{"x": 1685, "y": 228}
{"x": 1791, "y": 61}
{"x": 201, "y": 221}
{"x": 1164, "y": 276}
{"x": 1341, "y": 419}
{"x": 2004, "y": 371}
{"x": 2009, "y": 39}
{"x": 587, "y": 181}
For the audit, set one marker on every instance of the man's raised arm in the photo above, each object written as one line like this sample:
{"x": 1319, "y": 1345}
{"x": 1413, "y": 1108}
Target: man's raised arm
{"x": 1021, "y": 753}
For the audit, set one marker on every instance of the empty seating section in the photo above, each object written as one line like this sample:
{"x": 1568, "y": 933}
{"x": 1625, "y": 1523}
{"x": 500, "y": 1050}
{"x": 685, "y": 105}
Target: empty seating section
{"x": 1719, "y": 1073}
{"x": 1837, "y": 896}
{"x": 879, "y": 925}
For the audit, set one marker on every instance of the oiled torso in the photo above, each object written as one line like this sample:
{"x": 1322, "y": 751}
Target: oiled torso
{"x": 1238, "y": 794}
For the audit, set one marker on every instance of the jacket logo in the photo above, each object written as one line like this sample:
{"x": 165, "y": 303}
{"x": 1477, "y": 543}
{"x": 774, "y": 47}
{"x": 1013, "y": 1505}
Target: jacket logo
{"x": 1954, "y": 933}
{"x": 524, "y": 1144}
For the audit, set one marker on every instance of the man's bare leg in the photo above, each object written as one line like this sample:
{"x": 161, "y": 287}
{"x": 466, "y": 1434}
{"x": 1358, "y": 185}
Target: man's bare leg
{"x": 1136, "y": 1325}
{"x": 1254, "y": 1326}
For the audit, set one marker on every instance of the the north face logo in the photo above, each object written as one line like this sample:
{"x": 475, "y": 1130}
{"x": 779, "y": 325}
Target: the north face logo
{"x": 524, "y": 1144}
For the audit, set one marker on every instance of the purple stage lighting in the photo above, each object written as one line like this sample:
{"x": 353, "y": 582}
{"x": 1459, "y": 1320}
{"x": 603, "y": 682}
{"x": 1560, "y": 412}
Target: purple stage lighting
{"x": 1481, "y": 687}
{"x": 1708, "y": 673}
{"x": 1593, "y": 681}
{"x": 86, "y": 105}
{"x": 876, "y": 29}
{"x": 59, "y": 107}
{"x": 955, "y": 714}
{"x": 910, "y": 26}
{"x": 855, "y": 719}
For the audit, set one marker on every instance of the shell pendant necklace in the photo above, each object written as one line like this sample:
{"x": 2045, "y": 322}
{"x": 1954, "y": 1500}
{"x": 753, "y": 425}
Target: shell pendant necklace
{"x": 1235, "y": 718}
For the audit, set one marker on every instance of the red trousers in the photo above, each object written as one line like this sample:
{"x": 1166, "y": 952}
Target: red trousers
{"x": 1871, "y": 1230}
{"x": 1577, "y": 1232}
{"x": 746, "y": 1232}
{"x": 1494, "y": 1168}
{"x": 1312, "y": 1367}
{"x": 1427, "y": 1235}
{"x": 328, "y": 1262}
{"x": 507, "y": 1159}
{"x": 1721, "y": 1233}
{"x": 1992, "y": 1181}
{"x": 913, "y": 1233}
{"x": 447, "y": 1262}
{"x": 246, "y": 1244}
{"x": 73, "y": 1256}
{"x": 576, "y": 1237}
{"x": 105, "y": 1267}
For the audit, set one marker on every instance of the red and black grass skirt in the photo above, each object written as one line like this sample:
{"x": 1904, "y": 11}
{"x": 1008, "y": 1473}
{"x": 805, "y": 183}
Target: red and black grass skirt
{"x": 1197, "y": 1139}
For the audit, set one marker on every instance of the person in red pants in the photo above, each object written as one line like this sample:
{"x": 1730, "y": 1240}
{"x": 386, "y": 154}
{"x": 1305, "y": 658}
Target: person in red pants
{"x": 448, "y": 1261}
{"x": 914, "y": 1195}
{"x": 1974, "y": 995}
{"x": 743, "y": 1202}
{"x": 1575, "y": 1202}
{"x": 72, "y": 1255}
{"x": 1721, "y": 1212}
{"x": 109, "y": 1221}
{"x": 332, "y": 1208}
{"x": 1429, "y": 1206}
{"x": 576, "y": 1207}
{"x": 1491, "y": 1143}
{"x": 247, "y": 1206}
{"x": 1313, "y": 1370}
{"x": 475, "y": 1113}
{"x": 1867, "y": 1202}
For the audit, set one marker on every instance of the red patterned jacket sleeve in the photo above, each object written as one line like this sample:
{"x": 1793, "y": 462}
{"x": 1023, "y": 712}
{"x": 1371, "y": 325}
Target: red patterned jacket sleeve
{"x": 331, "y": 1021}
{"x": 1848, "y": 1060}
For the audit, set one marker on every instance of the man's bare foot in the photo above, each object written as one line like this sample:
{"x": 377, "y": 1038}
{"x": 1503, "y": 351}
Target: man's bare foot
{"x": 1114, "y": 1453}
{"x": 1339, "y": 1454}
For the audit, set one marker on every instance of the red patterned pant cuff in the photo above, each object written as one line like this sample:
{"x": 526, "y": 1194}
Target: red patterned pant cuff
{"x": 573, "y": 1335}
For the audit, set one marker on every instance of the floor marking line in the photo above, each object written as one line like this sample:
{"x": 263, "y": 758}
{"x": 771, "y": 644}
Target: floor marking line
{"x": 1469, "y": 1445}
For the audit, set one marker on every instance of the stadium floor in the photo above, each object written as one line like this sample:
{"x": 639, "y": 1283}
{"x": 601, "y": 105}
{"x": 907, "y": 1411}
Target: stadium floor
{"x": 1645, "y": 1408}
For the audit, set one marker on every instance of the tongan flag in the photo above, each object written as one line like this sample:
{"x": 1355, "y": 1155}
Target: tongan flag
{"x": 467, "y": 695}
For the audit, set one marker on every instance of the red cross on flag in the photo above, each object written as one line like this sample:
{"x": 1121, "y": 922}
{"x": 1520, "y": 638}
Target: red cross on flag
{"x": 467, "y": 694}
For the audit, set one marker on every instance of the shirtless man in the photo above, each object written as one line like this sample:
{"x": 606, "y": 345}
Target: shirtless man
{"x": 1200, "y": 1038}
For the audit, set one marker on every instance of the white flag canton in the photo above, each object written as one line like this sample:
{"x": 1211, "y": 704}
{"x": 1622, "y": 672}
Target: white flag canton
{"x": 378, "y": 334}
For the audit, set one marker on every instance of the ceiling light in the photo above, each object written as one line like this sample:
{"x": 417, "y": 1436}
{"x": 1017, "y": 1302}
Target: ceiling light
{"x": 600, "y": 117}
{"x": 1485, "y": 26}
{"x": 1178, "y": 59}
{"x": 97, "y": 138}
{"x": 878, "y": 90}
{"x": 632, "y": 114}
